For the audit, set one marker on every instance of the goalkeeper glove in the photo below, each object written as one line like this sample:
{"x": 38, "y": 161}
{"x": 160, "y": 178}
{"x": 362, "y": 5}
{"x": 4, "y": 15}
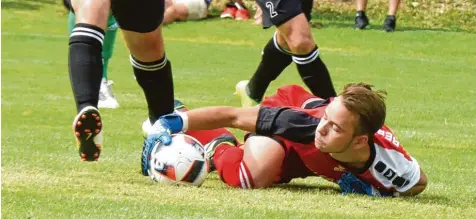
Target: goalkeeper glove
{"x": 159, "y": 133}
{"x": 350, "y": 184}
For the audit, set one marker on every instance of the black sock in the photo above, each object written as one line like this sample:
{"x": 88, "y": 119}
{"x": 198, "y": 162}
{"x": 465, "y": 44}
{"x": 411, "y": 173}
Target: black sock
{"x": 314, "y": 73}
{"x": 156, "y": 81}
{"x": 273, "y": 61}
{"x": 85, "y": 64}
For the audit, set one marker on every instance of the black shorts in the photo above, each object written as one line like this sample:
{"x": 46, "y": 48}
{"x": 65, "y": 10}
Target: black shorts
{"x": 277, "y": 12}
{"x": 141, "y": 16}
{"x": 67, "y": 5}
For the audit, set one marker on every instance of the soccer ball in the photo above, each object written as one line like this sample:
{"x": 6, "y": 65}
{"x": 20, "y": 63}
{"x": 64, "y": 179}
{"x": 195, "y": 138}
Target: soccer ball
{"x": 181, "y": 162}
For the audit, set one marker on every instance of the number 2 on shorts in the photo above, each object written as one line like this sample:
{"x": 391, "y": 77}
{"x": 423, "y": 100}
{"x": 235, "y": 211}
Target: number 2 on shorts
{"x": 272, "y": 12}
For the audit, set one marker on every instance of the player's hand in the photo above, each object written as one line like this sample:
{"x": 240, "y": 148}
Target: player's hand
{"x": 350, "y": 184}
{"x": 163, "y": 128}
{"x": 171, "y": 123}
{"x": 147, "y": 148}
{"x": 159, "y": 133}
{"x": 161, "y": 137}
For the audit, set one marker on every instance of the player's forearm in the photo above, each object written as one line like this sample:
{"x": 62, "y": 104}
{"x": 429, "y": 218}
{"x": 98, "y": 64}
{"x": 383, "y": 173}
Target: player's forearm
{"x": 222, "y": 116}
{"x": 415, "y": 190}
{"x": 418, "y": 188}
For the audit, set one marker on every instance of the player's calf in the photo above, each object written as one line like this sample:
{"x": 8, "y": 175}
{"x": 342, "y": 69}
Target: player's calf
{"x": 85, "y": 63}
{"x": 155, "y": 79}
{"x": 229, "y": 164}
{"x": 210, "y": 148}
{"x": 275, "y": 58}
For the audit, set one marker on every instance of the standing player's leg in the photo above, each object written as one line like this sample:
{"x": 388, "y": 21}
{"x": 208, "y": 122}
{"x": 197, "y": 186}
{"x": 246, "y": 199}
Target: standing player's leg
{"x": 292, "y": 41}
{"x": 71, "y": 21}
{"x": 85, "y": 70}
{"x": 390, "y": 22}
{"x": 108, "y": 47}
{"x": 256, "y": 164}
{"x": 106, "y": 96}
{"x": 292, "y": 23}
{"x": 361, "y": 19}
{"x": 140, "y": 23}
{"x": 274, "y": 60}
{"x": 313, "y": 71}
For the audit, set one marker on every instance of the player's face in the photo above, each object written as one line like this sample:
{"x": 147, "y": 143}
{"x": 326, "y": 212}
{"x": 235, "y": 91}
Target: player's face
{"x": 334, "y": 134}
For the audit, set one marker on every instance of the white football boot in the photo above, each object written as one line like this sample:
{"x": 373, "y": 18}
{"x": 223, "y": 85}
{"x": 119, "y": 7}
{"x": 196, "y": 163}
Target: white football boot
{"x": 106, "y": 96}
{"x": 240, "y": 91}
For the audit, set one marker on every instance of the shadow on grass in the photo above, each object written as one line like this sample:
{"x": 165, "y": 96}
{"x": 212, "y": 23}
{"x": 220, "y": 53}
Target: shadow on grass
{"x": 427, "y": 199}
{"x": 421, "y": 199}
{"x": 410, "y": 28}
{"x": 26, "y": 4}
{"x": 306, "y": 188}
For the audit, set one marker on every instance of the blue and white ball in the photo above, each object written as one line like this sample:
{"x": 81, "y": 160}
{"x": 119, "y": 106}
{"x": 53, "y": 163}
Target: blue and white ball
{"x": 181, "y": 162}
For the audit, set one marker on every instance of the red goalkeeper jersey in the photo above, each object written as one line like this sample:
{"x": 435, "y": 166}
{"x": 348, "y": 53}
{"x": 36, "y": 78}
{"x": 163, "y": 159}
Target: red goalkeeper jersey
{"x": 292, "y": 115}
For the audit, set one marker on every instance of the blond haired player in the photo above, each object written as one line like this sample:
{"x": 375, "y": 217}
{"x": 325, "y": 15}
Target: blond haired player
{"x": 294, "y": 134}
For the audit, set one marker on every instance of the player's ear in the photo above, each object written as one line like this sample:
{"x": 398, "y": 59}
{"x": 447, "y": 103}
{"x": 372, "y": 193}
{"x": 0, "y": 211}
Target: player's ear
{"x": 361, "y": 141}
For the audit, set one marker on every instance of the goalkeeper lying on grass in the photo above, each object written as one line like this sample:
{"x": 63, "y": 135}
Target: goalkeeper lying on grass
{"x": 294, "y": 134}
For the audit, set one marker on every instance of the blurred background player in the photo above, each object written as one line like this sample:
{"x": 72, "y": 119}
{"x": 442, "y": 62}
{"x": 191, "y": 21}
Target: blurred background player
{"x": 258, "y": 17}
{"x": 292, "y": 41}
{"x": 294, "y": 134}
{"x": 390, "y": 23}
{"x": 140, "y": 22}
{"x": 235, "y": 9}
{"x": 184, "y": 10}
{"x": 106, "y": 96}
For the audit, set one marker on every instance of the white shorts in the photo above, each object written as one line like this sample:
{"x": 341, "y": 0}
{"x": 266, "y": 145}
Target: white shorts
{"x": 197, "y": 9}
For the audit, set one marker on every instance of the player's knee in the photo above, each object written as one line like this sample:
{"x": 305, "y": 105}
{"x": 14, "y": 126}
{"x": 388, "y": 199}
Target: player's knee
{"x": 94, "y": 12}
{"x": 145, "y": 47}
{"x": 264, "y": 157}
{"x": 301, "y": 44}
{"x": 91, "y": 5}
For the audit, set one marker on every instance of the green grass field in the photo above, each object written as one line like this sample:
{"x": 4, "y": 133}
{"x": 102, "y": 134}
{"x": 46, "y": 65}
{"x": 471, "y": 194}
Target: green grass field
{"x": 429, "y": 75}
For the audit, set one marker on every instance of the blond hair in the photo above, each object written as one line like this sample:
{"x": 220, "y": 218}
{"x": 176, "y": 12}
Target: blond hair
{"x": 359, "y": 98}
